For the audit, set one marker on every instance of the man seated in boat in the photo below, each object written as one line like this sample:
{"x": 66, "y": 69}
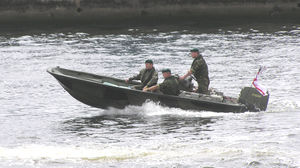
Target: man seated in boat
{"x": 148, "y": 76}
{"x": 169, "y": 86}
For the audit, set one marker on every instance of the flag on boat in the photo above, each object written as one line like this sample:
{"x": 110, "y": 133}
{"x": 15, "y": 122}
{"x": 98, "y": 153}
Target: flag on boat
{"x": 260, "y": 88}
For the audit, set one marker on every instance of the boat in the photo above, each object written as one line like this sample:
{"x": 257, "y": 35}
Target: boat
{"x": 105, "y": 92}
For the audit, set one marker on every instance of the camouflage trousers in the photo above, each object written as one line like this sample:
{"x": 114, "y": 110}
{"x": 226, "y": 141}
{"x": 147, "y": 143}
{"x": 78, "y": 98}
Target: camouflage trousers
{"x": 203, "y": 86}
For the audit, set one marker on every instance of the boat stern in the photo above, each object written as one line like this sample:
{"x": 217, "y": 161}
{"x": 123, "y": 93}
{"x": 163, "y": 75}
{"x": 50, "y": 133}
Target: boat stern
{"x": 253, "y": 100}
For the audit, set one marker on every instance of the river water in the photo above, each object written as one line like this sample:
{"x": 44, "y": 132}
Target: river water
{"x": 41, "y": 125}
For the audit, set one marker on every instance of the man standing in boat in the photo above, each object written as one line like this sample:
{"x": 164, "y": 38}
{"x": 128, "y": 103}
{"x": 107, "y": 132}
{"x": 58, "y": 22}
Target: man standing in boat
{"x": 169, "y": 86}
{"x": 199, "y": 70}
{"x": 148, "y": 76}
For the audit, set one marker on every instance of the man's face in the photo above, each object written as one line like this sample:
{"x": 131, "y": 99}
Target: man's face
{"x": 166, "y": 74}
{"x": 148, "y": 65}
{"x": 194, "y": 54}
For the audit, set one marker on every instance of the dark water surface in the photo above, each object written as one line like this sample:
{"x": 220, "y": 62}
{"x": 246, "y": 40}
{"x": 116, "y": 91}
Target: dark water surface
{"x": 43, "y": 126}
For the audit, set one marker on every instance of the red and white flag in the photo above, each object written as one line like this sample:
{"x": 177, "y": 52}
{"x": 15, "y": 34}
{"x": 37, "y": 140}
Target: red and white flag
{"x": 260, "y": 88}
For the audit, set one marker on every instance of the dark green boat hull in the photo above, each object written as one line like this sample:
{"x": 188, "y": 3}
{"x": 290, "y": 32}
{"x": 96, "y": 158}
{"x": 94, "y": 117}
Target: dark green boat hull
{"x": 103, "y": 92}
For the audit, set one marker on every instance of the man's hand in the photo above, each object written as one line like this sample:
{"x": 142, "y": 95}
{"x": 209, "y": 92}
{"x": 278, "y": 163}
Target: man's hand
{"x": 145, "y": 89}
{"x": 181, "y": 78}
{"x": 186, "y": 75}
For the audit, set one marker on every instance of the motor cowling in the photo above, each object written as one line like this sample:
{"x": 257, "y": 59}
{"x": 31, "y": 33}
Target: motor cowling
{"x": 186, "y": 84}
{"x": 253, "y": 100}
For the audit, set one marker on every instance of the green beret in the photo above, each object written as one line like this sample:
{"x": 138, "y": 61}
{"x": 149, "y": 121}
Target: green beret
{"x": 165, "y": 70}
{"x": 149, "y": 61}
{"x": 194, "y": 50}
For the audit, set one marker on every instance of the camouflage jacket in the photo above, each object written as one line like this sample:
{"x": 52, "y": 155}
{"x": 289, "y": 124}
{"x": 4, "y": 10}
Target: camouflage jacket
{"x": 170, "y": 86}
{"x": 199, "y": 69}
{"x": 147, "y": 77}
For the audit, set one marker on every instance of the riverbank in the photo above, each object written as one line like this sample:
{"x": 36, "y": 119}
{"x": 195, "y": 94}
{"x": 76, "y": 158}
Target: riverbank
{"x": 141, "y": 12}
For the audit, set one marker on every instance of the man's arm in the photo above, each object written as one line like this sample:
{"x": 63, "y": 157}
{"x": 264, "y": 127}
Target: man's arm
{"x": 197, "y": 66}
{"x": 152, "y": 88}
{"x": 186, "y": 75}
{"x": 193, "y": 69}
{"x": 136, "y": 77}
{"x": 153, "y": 80}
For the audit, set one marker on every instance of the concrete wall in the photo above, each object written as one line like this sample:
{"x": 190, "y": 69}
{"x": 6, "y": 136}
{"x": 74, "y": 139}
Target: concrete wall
{"x": 142, "y": 11}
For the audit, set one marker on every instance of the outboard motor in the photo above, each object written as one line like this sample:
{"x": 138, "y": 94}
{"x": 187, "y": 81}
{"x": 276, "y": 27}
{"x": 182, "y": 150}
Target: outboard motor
{"x": 186, "y": 84}
{"x": 253, "y": 100}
